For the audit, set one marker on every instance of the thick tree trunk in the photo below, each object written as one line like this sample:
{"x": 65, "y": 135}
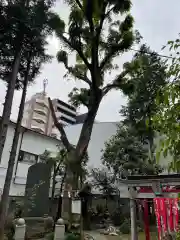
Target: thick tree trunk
{"x": 4, "y": 199}
{"x": 8, "y": 103}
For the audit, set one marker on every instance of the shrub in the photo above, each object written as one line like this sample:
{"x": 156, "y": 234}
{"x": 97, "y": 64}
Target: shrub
{"x": 178, "y": 235}
{"x": 117, "y": 217}
{"x": 125, "y": 227}
{"x": 50, "y": 236}
{"x": 73, "y": 236}
{"x": 9, "y": 227}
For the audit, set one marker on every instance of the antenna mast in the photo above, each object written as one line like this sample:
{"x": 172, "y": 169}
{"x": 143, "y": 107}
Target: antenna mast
{"x": 45, "y": 82}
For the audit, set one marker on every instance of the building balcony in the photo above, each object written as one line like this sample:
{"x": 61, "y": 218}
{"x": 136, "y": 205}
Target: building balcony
{"x": 43, "y": 102}
{"x": 39, "y": 118}
{"x": 41, "y": 110}
{"x": 38, "y": 127}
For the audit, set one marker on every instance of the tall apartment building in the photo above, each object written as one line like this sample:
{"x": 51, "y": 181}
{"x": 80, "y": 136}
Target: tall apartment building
{"x": 37, "y": 115}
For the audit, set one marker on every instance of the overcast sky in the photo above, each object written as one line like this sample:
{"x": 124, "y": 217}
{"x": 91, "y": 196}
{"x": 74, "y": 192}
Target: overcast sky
{"x": 157, "y": 21}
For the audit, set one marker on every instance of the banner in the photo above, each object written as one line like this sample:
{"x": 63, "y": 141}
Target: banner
{"x": 175, "y": 213}
{"x": 166, "y": 210}
{"x": 169, "y": 202}
{"x": 163, "y": 213}
{"x": 158, "y": 218}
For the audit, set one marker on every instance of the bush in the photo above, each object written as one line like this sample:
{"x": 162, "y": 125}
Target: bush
{"x": 50, "y": 236}
{"x": 125, "y": 227}
{"x": 9, "y": 227}
{"x": 73, "y": 236}
{"x": 178, "y": 235}
{"x": 117, "y": 217}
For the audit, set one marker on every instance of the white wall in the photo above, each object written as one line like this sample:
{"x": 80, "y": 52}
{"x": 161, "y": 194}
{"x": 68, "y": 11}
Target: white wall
{"x": 100, "y": 134}
{"x": 31, "y": 142}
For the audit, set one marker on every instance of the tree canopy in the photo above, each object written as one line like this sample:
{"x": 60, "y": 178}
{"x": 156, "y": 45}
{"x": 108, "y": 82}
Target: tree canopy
{"x": 147, "y": 76}
{"x": 126, "y": 155}
{"x": 97, "y": 32}
{"x": 131, "y": 150}
{"x": 166, "y": 119}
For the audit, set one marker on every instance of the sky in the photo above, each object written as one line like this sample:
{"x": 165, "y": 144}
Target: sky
{"x": 156, "y": 20}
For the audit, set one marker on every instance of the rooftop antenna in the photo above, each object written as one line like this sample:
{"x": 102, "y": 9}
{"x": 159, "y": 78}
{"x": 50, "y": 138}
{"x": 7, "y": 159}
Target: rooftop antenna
{"x": 45, "y": 82}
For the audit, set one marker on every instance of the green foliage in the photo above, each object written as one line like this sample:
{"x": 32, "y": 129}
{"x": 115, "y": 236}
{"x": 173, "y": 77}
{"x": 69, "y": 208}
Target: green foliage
{"x": 147, "y": 76}
{"x": 50, "y": 236}
{"x": 166, "y": 120}
{"x": 95, "y": 47}
{"x": 72, "y": 236}
{"x": 125, "y": 228}
{"x": 125, "y": 154}
{"x": 131, "y": 150}
{"x": 178, "y": 235}
{"x": 25, "y": 28}
{"x": 9, "y": 227}
{"x": 104, "y": 182}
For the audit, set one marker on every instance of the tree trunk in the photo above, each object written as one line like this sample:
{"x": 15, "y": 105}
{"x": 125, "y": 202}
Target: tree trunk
{"x": 4, "y": 200}
{"x": 8, "y": 103}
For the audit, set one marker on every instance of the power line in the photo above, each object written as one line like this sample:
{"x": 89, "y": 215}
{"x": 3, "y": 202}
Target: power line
{"x": 160, "y": 55}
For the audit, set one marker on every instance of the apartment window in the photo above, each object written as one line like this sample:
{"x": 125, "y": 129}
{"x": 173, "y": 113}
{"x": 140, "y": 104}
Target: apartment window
{"x": 26, "y": 157}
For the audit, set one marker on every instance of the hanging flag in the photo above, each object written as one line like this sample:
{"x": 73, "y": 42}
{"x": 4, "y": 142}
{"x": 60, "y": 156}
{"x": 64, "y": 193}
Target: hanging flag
{"x": 169, "y": 202}
{"x": 163, "y": 215}
{"x": 158, "y": 217}
{"x": 176, "y": 215}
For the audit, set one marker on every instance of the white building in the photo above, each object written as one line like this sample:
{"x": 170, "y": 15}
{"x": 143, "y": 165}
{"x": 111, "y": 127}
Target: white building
{"x": 31, "y": 145}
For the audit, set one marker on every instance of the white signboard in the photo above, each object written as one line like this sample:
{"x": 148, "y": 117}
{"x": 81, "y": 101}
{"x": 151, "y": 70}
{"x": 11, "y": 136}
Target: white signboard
{"x": 76, "y": 206}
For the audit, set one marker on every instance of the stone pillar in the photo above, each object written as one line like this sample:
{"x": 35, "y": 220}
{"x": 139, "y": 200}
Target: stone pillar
{"x": 20, "y": 229}
{"x": 59, "y": 230}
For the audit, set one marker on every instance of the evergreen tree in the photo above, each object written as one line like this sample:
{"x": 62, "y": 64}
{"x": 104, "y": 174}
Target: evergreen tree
{"x": 35, "y": 28}
{"x": 126, "y": 155}
{"x": 132, "y": 150}
{"x": 147, "y": 77}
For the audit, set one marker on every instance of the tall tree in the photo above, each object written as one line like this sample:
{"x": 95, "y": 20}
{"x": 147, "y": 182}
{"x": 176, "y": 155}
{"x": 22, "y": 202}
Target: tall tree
{"x": 125, "y": 154}
{"x": 147, "y": 76}
{"x": 98, "y": 32}
{"x": 167, "y": 119}
{"x": 32, "y": 57}
{"x": 18, "y": 28}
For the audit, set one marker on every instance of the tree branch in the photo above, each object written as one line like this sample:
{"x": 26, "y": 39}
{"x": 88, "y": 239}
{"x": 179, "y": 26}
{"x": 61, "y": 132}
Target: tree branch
{"x": 79, "y": 75}
{"x": 115, "y": 84}
{"x": 59, "y": 126}
{"x": 113, "y": 49}
{"x": 79, "y": 4}
{"x": 81, "y": 54}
